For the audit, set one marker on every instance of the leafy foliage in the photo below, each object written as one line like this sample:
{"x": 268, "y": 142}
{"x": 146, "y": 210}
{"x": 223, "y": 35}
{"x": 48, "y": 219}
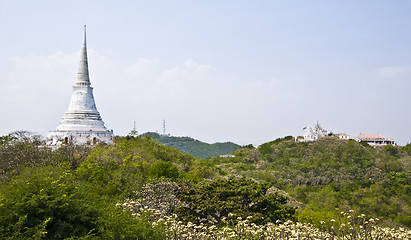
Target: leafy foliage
{"x": 75, "y": 191}
{"x": 212, "y": 202}
{"x": 72, "y": 192}
{"x": 124, "y": 167}
{"x": 332, "y": 174}
{"x": 19, "y": 149}
{"x": 159, "y": 197}
{"x": 49, "y": 203}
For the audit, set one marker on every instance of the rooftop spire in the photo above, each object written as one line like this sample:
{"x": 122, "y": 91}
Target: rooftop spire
{"x": 83, "y": 76}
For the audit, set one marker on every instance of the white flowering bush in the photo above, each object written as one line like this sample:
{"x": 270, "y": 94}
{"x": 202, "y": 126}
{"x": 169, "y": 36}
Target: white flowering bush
{"x": 349, "y": 228}
{"x": 353, "y": 226}
{"x": 157, "y": 199}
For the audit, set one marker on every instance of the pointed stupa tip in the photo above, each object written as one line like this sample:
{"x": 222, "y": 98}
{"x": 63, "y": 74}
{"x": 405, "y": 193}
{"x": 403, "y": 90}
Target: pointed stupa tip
{"x": 83, "y": 75}
{"x": 84, "y": 37}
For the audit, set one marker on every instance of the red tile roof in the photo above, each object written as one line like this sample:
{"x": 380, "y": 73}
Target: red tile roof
{"x": 373, "y": 137}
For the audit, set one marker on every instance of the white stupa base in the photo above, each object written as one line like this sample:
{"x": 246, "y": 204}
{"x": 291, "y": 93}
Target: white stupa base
{"x": 57, "y": 138}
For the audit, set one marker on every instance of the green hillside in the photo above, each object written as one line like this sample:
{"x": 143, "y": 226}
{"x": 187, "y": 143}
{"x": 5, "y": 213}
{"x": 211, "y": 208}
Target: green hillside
{"x": 194, "y": 147}
{"x": 332, "y": 175}
{"x": 137, "y": 188}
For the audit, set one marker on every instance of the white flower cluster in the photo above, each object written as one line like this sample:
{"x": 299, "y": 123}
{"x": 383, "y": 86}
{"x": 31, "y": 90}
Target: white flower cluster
{"x": 244, "y": 229}
{"x": 155, "y": 200}
{"x": 348, "y": 227}
{"x": 353, "y": 226}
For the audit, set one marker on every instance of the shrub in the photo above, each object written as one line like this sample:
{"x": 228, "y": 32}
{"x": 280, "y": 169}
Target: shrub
{"x": 49, "y": 203}
{"x": 211, "y": 202}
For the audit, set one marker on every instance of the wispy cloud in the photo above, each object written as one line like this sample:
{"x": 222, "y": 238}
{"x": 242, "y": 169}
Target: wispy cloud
{"x": 392, "y": 72}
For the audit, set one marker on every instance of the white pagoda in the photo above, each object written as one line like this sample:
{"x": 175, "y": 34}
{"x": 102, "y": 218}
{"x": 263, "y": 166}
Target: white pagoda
{"x": 81, "y": 123}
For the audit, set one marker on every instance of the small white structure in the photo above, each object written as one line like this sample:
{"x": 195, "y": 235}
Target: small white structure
{"x": 313, "y": 134}
{"x": 81, "y": 123}
{"x": 344, "y": 136}
{"x": 375, "y": 139}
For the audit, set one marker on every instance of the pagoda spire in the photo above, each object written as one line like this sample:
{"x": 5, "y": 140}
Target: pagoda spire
{"x": 81, "y": 123}
{"x": 83, "y": 75}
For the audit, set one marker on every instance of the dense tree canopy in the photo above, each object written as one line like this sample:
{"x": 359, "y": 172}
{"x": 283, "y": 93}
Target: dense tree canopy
{"x": 211, "y": 202}
{"x": 77, "y": 191}
{"x": 331, "y": 175}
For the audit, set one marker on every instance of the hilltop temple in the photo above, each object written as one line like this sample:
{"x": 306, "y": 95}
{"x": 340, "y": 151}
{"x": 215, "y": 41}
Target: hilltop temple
{"x": 313, "y": 134}
{"x": 81, "y": 123}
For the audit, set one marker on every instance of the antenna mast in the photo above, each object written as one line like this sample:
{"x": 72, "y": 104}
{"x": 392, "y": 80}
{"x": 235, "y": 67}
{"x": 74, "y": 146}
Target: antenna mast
{"x": 164, "y": 127}
{"x": 134, "y": 132}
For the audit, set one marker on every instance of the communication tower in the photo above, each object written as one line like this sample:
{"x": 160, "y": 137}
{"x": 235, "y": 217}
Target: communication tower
{"x": 164, "y": 127}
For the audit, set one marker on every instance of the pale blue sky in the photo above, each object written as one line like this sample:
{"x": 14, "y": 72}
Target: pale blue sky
{"x": 242, "y": 71}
